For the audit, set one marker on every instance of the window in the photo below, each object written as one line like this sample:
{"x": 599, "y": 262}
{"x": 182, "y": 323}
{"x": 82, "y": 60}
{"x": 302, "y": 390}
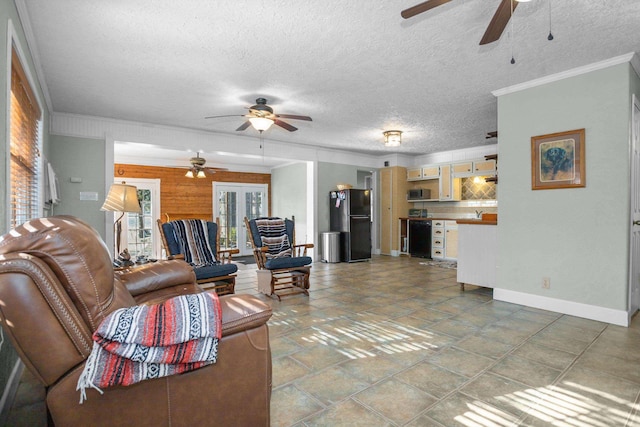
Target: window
{"x": 24, "y": 151}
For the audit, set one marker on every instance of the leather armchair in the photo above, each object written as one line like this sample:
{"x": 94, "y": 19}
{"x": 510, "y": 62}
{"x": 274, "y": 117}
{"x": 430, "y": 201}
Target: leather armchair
{"x": 57, "y": 284}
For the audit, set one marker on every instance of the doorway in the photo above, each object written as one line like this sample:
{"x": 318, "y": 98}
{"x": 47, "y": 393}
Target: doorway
{"x": 234, "y": 201}
{"x": 634, "y": 249}
{"x": 140, "y": 234}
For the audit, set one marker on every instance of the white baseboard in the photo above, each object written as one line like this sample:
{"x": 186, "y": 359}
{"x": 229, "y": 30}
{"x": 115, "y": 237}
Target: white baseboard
{"x": 593, "y": 312}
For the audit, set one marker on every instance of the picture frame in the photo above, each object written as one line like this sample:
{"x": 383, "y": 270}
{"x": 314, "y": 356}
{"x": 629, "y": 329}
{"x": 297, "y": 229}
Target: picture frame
{"x": 558, "y": 160}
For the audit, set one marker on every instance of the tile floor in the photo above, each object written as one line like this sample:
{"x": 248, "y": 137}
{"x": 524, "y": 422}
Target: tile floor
{"x": 393, "y": 342}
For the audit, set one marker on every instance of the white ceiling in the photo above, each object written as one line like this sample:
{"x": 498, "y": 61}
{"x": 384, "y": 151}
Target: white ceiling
{"x": 356, "y": 67}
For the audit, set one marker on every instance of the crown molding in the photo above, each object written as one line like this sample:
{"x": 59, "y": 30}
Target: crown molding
{"x": 628, "y": 57}
{"x": 23, "y": 14}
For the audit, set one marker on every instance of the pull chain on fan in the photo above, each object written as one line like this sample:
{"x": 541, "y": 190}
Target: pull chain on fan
{"x": 513, "y": 60}
{"x": 550, "y": 36}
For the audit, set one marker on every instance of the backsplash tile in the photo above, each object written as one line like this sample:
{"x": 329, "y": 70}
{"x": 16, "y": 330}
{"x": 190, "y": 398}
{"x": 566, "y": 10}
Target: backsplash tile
{"x": 478, "y": 191}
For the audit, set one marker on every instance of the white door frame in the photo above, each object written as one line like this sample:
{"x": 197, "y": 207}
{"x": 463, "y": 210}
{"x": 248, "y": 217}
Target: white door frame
{"x": 634, "y": 234}
{"x": 241, "y": 188}
{"x": 154, "y": 186}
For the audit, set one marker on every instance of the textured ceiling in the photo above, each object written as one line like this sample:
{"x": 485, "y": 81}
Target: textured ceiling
{"x": 356, "y": 67}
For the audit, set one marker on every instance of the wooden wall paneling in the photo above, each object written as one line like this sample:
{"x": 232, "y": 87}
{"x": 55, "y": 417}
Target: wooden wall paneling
{"x": 187, "y": 198}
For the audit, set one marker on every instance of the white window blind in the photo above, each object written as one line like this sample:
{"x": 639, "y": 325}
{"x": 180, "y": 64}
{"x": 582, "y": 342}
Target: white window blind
{"x": 25, "y": 153}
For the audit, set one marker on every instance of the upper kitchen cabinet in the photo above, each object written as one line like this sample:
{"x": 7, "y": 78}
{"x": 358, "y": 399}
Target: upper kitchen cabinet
{"x": 474, "y": 168}
{"x": 431, "y": 172}
{"x": 450, "y": 187}
{"x": 424, "y": 172}
{"x": 414, "y": 174}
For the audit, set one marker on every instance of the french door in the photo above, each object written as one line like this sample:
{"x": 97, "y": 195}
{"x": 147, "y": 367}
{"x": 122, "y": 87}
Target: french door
{"x": 140, "y": 234}
{"x": 234, "y": 201}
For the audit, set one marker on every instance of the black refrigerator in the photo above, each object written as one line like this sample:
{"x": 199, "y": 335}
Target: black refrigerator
{"x": 350, "y": 214}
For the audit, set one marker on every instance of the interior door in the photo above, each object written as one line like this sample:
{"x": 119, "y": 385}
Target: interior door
{"x": 234, "y": 201}
{"x": 634, "y": 250}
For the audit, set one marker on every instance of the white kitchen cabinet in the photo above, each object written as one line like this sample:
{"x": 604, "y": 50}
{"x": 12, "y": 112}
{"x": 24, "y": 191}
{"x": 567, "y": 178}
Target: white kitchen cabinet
{"x": 451, "y": 240}
{"x": 474, "y": 168}
{"x": 477, "y": 254}
{"x": 462, "y": 169}
{"x": 444, "y": 239}
{"x": 431, "y": 172}
{"x": 484, "y": 167}
{"x": 414, "y": 174}
{"x": 450, "y": 187}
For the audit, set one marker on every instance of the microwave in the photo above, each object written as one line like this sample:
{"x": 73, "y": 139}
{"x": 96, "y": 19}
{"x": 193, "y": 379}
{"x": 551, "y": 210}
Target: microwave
{"x": 418, "y": 194}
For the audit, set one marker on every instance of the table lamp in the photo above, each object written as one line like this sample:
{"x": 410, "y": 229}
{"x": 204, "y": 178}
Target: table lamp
{"x": 121, "y": 198}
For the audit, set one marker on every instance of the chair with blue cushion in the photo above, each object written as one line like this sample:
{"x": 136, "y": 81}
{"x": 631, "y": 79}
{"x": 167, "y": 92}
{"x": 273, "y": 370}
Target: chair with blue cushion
{"x": 283, "y": 266}
{"x": 198, "y": 243}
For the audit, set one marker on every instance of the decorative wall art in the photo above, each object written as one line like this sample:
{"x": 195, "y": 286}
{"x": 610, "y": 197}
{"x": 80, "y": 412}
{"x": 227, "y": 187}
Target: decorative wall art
{"x": 558, "y": 160}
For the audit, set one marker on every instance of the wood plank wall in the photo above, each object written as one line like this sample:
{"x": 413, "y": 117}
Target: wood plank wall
{"x": 187, "y": 198}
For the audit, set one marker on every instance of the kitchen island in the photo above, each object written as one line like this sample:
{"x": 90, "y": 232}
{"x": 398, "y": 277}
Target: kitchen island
{"x": 477, "y": 251}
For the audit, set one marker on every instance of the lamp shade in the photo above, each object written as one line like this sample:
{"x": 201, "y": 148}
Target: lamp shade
{"x": 261, "y": 123}
{"x": 122, "y": 198}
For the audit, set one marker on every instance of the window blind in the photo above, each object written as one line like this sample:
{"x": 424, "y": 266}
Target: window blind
{"x": 24, "y": 147}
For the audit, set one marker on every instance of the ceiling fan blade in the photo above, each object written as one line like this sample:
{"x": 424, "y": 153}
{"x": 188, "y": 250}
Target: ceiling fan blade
{"x": 422, "y": 7}
{"x": 498, "y": 22}
{"x": 244, "y": 125}
{"x": 293, "y": 116}
{"x": 285, "y": 125}
{"x": 226, "y": 115}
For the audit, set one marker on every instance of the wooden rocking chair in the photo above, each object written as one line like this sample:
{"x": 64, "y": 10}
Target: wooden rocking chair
{"x": 218, "y": 273}
{"x": 283, "y": 266}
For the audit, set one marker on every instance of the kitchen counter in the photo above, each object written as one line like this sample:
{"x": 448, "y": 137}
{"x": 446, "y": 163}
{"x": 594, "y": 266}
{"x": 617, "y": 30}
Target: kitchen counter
{"x": 441, "y": 218}
{"x": 477, "y": 221}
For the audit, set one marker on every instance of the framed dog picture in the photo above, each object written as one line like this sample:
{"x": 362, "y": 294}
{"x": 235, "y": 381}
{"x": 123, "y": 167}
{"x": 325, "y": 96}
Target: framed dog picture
{"x": 557, "y": 160}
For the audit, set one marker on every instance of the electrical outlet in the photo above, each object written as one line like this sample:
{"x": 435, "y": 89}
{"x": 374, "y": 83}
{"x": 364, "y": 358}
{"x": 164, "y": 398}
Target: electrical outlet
{"x": 546, "y": 283}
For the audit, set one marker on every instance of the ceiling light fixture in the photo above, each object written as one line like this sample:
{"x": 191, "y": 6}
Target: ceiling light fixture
{"x": 261, "y": 123}
{"x": 392, "y": 138}
{"x": 195, "y": 173}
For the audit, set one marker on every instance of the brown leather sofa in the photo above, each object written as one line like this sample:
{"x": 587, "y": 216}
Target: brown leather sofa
{"x": 57, "y": 284}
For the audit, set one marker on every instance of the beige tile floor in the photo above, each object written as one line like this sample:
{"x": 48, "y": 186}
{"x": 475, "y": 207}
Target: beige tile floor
{"x": 393, "y": 342}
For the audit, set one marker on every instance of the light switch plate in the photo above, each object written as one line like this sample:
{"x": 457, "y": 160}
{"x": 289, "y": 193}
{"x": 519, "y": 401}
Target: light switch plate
{"x": 91, "y": 196}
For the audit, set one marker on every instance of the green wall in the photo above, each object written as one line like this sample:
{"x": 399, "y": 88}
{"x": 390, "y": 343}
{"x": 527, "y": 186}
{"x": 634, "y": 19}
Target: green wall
{"x": 8, "y": 12}
{"x": 289, "y": 195}
{"x": 579, "y": 238}
{"x": 80, "y": 158}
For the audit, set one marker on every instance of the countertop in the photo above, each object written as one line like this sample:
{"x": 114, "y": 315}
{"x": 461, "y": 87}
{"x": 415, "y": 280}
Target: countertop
{"x": 489, "y": 220}
{"x": 437, "y": 218}
{"x": 477, "y": 221}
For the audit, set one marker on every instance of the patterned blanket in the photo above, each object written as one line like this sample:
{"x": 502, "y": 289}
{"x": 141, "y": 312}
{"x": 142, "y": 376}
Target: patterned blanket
{"x": 193, "y": 236}
{"x": 273, "y": 233}
{"x": 153, "y": 341}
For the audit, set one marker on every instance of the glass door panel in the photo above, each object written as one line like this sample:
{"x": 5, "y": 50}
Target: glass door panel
{"x": 139, "y": 230}
{"x": 234, "y": 201}
{"x": 227, "y": 214}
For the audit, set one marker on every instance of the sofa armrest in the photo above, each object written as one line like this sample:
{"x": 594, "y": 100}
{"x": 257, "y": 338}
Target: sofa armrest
{"x": 241, "y": 312}
{"x": 155, "y": 276}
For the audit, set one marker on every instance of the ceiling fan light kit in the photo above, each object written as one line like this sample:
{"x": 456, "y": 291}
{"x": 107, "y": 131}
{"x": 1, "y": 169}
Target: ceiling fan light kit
{"x": 197, "y": 168}
{"x": 261, "y": 117}
{"x": 261, "y": 123}
{"x": 392, "y": 138}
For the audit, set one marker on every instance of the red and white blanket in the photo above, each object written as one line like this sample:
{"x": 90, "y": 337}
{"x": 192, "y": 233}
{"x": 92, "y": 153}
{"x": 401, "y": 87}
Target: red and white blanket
{"x": 153, "y": 341}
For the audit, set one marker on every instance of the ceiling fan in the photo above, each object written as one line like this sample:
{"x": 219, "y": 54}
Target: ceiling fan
{"x": 261, "y": 117}
{"x": 496, "y": 26}
{"x": 197, "y": 169}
